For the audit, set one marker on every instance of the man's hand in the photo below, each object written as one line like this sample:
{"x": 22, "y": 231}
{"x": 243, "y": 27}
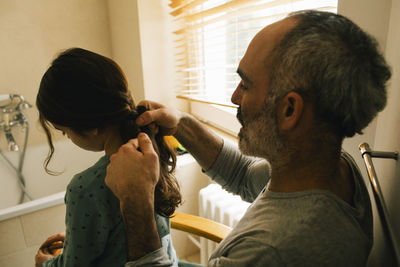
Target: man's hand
{"x": 166, "y": 119}
{"x": 133, "y": 173}
{"x": 132, "y": 176}
{"x": 203, "y": 144}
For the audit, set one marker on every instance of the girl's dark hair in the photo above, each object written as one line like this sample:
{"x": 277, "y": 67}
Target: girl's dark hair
{"x": 83, "y": 91}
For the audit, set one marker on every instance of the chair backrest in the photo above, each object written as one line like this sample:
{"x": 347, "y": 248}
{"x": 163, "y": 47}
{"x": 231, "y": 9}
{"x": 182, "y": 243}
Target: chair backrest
{"x": 199, "y": 226}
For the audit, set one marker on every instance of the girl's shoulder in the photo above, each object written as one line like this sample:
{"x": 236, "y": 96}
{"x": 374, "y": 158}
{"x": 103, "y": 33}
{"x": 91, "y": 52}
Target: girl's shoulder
{"x": 88, "y": 188}
{"x": 91, "y": 178}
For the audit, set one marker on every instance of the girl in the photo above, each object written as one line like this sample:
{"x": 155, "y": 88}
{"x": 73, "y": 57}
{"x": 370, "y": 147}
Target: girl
{"x": 85, "y": 96}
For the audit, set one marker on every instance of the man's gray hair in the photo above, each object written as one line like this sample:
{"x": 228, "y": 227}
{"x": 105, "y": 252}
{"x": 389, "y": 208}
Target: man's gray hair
{"x": 331, "y": 61}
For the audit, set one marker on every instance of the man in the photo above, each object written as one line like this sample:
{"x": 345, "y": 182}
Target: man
{"x": 308, "y": 81}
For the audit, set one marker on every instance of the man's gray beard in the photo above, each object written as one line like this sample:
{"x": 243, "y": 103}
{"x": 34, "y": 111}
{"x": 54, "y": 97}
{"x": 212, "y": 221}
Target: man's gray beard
{"x": 260, "y": 137}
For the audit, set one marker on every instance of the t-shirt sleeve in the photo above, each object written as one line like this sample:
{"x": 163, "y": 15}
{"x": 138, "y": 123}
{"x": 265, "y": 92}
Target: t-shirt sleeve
{"x": 244, "y": 254}
{"x": 157, "y": 258}
{"x": 239, "y": 174}
{"x": 87, "y": 229}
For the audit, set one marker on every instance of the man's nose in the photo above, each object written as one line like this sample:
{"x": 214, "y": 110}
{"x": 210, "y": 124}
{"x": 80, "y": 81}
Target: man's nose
{"x": 237, "y": 95}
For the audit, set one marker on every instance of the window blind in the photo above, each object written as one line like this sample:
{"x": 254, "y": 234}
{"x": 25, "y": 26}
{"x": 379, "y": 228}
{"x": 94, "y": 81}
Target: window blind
{"x": 211, "y": 36}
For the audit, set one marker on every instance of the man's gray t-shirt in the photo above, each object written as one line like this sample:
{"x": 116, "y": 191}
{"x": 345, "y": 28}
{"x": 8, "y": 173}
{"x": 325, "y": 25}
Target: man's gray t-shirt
{"x": 307, "y": 228}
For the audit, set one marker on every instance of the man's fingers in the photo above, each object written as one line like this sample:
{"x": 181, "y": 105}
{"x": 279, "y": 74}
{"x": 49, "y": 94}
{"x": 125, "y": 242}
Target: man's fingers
{"x": 144, "y": 103}
{"x": 145, "y": 144}
{"x": 150, "y": 104}
{"x": 141, "y": 143}
{"x": 134, "y": 142}
{"x": 148, "y": 117}
{"x": 162, "y": 117}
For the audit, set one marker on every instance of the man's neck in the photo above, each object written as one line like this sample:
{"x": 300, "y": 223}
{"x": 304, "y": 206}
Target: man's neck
{"x": 318, "y": 172}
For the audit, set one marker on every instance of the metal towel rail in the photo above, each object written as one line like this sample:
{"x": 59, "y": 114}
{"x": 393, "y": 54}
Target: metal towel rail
{"x": 367, "y": 155}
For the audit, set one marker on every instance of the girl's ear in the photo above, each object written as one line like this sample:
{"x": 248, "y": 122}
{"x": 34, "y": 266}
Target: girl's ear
{"x": 93, "y": 132}
{"x": 292, "y": 106}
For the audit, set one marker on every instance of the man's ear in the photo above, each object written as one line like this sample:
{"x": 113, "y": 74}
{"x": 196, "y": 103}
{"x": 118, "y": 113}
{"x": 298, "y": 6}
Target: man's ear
{"x": 291, "y": 110}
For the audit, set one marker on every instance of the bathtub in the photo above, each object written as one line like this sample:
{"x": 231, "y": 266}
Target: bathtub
{"x": 25, "y": 226}
{"x": 68, "y": 159}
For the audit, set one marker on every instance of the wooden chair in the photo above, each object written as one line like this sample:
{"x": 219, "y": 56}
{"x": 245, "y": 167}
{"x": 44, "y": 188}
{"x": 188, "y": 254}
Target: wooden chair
{"x": 198, "y": 226}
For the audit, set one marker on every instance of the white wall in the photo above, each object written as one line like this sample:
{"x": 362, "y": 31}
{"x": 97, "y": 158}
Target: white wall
{"x": 381, "y": 19}
{"x": 126, "y": 45}
{"x": 155, "y": 26}
{"x": 33, "y": 32}
{"x": 388, "y": 139}
{"x": 142, "y": 44}
{"x": 361, "y": 12}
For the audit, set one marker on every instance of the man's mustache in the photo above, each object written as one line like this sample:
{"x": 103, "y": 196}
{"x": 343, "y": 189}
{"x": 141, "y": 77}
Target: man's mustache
{"x": 239, "y": 115}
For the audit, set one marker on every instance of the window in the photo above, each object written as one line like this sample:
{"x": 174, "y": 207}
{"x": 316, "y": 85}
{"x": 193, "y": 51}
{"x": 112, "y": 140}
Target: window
{"x": 211, "y": 37}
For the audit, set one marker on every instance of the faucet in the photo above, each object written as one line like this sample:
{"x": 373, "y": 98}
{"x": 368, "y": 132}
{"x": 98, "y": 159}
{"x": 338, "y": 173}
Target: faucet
{"x": 15, "y": 104}
{"x": 11, "y": 107}
{"x": 12, "y": 146}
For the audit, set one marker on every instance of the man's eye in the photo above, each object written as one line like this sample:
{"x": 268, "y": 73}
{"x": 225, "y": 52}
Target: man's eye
{"x": 63, "y": 133}
{"x": 242, "y": 86}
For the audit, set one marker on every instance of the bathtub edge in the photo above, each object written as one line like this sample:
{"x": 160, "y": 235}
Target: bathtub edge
{"x": 31, "y": 206}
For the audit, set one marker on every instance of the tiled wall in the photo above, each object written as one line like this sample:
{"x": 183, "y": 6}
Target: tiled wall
{"x": 21, "y": 237}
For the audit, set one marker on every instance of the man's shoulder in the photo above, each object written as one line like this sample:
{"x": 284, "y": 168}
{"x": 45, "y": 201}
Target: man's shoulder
{"x": 298, "y": 228}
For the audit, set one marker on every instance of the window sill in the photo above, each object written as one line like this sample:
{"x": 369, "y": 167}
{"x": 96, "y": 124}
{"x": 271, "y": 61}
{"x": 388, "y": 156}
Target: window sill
{"x": 222, "y": 119}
